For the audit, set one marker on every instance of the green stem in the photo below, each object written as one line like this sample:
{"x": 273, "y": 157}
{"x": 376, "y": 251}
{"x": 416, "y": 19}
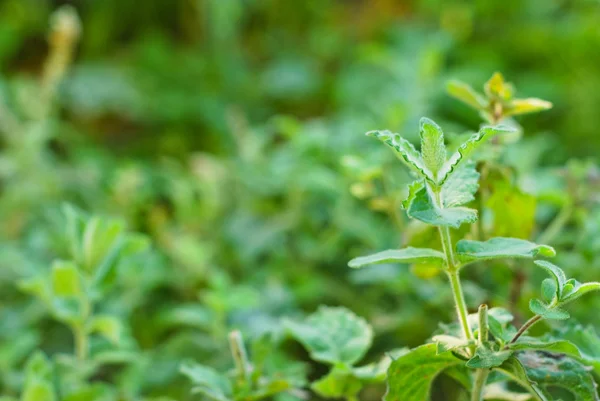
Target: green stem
{"x": 481, "y": 376}
{"x": 528, "y": 324}
{"x": 238, "y": 351}
{"x": 461, "y": 306}
{"x": 81, "y": 342}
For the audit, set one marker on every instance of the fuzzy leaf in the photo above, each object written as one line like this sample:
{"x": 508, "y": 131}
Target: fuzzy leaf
{"x": 422, "y": 208}
{"x": 551, "y": 371}
{"x": 405, "y": 255}
{"x": 461, "y": 186}
{"x": 524, "y": 106}
{"x": 207, "y": 381}
{"x": 445, "y": 343}
{"x": 560, "y": 346}
{"x": 556, "y": 273}
{"x": 500, "y": 248}
{"x": 405, "y": 152}
{"x": 578, "y": 290}
{"x": 413, "y": 188}
{"x": 514, "y": 369}
{"x": 466, "y": 94}
{"x": 465, "y": 150}
{"x": 410, "y": 376}
{"x": 549, "y": 290}
{"x": 433, "y": 149}
{"x": 333, "y": 335}
{"x": 487, "y": 358}
{"x": 540, "y": 308}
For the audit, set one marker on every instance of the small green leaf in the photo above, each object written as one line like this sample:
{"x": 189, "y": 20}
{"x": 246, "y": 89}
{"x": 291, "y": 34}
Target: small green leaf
{"x": 405, "y": 255}
{"x": 413, "y": 188}
{"x": 524, "y": 106}
{"x": 405, "y": 152}
{"x": 66, "y": 281}
{"x": 560, "y": 346}
{"x": 486, "y": 358}
{"x": 579, "y": 290}
{"x": 38, "y": 390}
{"x": 549, "y": 290}
{"x": 107, "y": 326}
{"x": 461, "y": 186}
{"x": 207, "y": 381}
{"x": 447, "y": 343}
{"x": 551, "y": 371}
{"x": 422, "y": 208}
{"x": 552, "y": 313}
{"x": 433, "y": 149}
{"x": 373, "y": 372}
{"x": 466, "y": 149}
{"x": 466, "y": 94}
{"x": 411, "y": 375}
{"x": 500, "y": 248}
{"x": 338, "y": 383}
{"x": 333, "y": 335}
{"x": 556, "y": 273}
{"x": 497, "y": 87}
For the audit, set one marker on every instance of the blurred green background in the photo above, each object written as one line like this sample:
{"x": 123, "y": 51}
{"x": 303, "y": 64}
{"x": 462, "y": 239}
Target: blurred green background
{"x": 231, "y": 133}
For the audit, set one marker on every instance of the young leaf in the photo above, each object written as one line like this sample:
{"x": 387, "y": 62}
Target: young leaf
{"x": 333, "y": 335}
{"x": 405, "y": 152}
{"x": 465, "y": 150}
{"x": 524, "y": 106}
{"x": 579, "y": 290}
{"x": 65, "y": 279}
{"x": 422, "y": 208}
{"x": 433, "y": 149}
{"x": 549, "y": 290}
{"x": 406, "y": 255}
{"x": 413, "y": 188}
{"x": 497, "y": 87}
{"x": 410, "y": 376}
{"x": 107, "y": 326}
{"x": 552, "y": 313}
{"x": 556, "y": 273}
{"x": 500, "y": 248}
{"x": 207, "y": 381}
{"x": 338, "y": 383}
{"x": 461, "y": 186}
{"x": 466, "y": 94}
{"x": 551, "y": 371}
{"x": 486, "y": 358}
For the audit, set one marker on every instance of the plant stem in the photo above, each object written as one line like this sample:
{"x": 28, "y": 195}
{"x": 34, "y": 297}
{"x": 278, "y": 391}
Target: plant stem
{"x": 525, "y": 327}
{"x": 461, "y": 306}
{"x": 238, "y": 351}
{"x": 481, "y": 376}
{"x": 81, "y": 342}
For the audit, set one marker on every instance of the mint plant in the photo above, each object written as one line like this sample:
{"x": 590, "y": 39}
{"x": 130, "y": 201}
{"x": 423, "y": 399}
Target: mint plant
{"x": 486, "y": 342}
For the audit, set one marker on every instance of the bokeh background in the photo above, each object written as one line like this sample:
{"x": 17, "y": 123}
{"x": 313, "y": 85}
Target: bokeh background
{"x": 230, "y": 132}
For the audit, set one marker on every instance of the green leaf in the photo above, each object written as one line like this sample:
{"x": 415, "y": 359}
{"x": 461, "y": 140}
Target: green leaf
{"x": 552, "y": 313}
{"x": 445, "y": 343}
{"x": 559, "y": 346}
{"x": 107, "y": 326}
{"x": 587, "y": 341}
{"x": 549, "y": 290}
{"x": 207, "y": 381}
{"x": 461, "y": 186}
{"x": 579, "y": 290}
{"x": 413, "y": 188}
{"x": 422, "y": 208}
{"x": 405, "y": 255}
{"x": 465, "y": 150}
{"x": 373, "y": 372}
{"x": 405, "y": 152}
{"x": 333, "y": 335}
{"x": 487, "y": 358}
{"x": 38, "y": 390}
{"x": 411, "y": 375}
{"x": 338, "y": 383}
{"x": 500, "y": 248}
{"x": 514, "y": 369}
{"x": 497, "y": 87}
{"x": 524, "y": 106}
{"x": 433, "y": 149}
{"x": 556, "y": 273}
{"x": 66, "y": 281}
{"x": 551, "y": 371}
{"x": 38, "y": 376}
{"x": 466, "y": 94}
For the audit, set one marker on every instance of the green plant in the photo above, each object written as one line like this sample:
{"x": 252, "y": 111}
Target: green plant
{"x": 486, "y": 342}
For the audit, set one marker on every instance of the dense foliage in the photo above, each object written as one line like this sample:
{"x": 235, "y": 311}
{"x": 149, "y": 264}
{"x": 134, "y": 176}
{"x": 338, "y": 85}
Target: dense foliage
{"x": 183, "y": 184}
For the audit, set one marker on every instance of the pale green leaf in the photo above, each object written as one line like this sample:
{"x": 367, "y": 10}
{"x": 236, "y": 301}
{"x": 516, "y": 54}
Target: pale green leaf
{"x": 405, "y": 152}
{"x": 447, "y": 343}
{"x": 207, "y": 381}
{"x": 373, "y": 372}
{"x": 107, "y": 326}
{"x": 500, "y": 248}
{"x": 464, "y": 152}
{"x": 411, "y": 375}
{"x": 551, "y": 371}
{"x": 552, "y": 313}
{"x": 524, "y": 106}
{"x": 405, "y": 255}
{"x": 579, "y": 290}
{"x": 433, "y": 149}
{"x": 466, "y": 94}
{"x": 486, "y": 358}
{"x": 461, "y": 186}
{"x": 38, "y": 390}
{"x": 549, "y": 290}
{"x": 66, "y": 281}
{"x": 413, "y": 189}
{"x": 559, "y": 346}
{"x": 556, "y": 273}
{"x": 338, "y": 383}
{"x": 333, "y": 335}
{"x": 422, "y": 208}
{"x": 497, "y": 87}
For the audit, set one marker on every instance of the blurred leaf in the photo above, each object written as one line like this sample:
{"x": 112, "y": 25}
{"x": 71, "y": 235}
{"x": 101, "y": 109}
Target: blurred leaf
{"x": 466, "y": 94}
{"x": 66, "y": 281}
{"x": 499, "y": 248}
{"x": 207, "y": 381}
{"x": 405, "y": 255}
{"x": 107, "y": 326}
{"x": 524, "y": 106}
